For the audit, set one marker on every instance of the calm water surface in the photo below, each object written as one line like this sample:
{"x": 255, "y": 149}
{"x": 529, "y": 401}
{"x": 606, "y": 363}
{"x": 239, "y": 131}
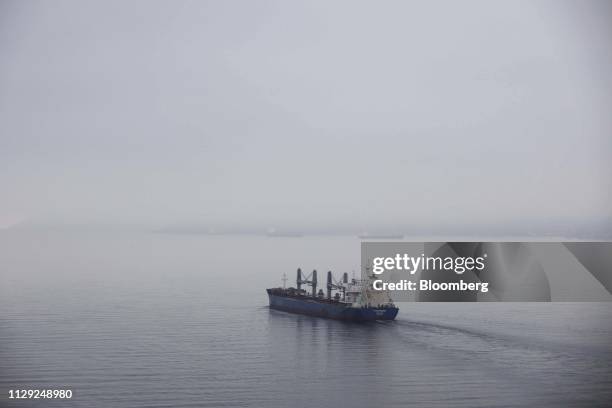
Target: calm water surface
{"x": 130, "y": 320}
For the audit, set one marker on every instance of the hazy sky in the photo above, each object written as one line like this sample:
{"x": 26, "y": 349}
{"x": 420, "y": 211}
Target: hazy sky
{"x": 305, "y": 113}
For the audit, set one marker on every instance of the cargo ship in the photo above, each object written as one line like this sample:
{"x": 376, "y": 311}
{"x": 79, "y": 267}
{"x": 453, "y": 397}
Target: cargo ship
{"x": 353, "y": 301}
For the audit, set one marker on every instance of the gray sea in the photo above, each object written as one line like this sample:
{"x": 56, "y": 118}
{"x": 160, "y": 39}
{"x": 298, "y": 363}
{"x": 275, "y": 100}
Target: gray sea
{"x": 171, "y": 320}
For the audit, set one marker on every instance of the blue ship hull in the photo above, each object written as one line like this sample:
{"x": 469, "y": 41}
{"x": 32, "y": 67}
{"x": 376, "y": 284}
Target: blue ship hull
{"x": 333, "y": 310}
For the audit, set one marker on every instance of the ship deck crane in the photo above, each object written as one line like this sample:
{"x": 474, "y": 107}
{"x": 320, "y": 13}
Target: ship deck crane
{"x": 310, "y": 280}
{"x": 341, "y": 286}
